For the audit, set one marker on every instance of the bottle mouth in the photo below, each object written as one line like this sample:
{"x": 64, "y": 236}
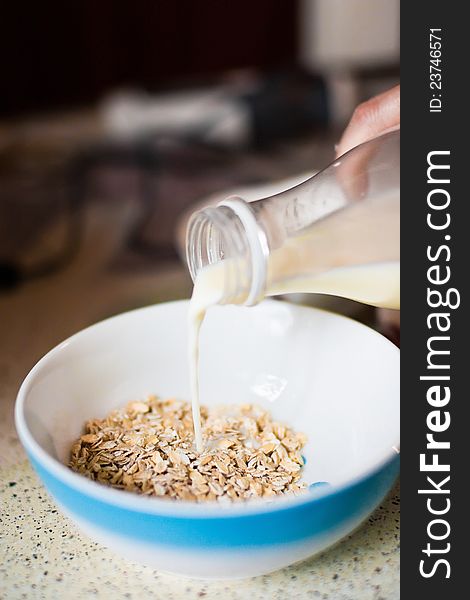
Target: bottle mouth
{"x": 230, "y": 232}
{"x": 206, "y": 239}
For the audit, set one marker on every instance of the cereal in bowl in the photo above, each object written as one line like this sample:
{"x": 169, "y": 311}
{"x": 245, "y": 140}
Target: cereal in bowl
{"x": 148, "y": 447}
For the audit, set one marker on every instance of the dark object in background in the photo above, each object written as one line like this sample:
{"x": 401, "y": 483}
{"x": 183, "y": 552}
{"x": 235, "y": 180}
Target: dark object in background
{"x": 62, "y": 54}
{"x": 32, "y": 194}
{"x": 287, "y": 104}
{"x": 10, "y": 276}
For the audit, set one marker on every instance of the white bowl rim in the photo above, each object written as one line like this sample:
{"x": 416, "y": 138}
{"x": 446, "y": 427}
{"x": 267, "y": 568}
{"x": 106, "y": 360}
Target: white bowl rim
{"x": 164, "y": 507}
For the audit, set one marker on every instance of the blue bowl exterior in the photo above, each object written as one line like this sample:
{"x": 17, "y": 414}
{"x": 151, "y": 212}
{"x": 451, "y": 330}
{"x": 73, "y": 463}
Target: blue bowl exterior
{"x": 285, "y": 524}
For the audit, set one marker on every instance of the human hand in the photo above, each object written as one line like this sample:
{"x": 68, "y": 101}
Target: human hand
{"x": 377, "y": 116}
{"x": 371, "y": 119}
{"x": 374, "y": 117}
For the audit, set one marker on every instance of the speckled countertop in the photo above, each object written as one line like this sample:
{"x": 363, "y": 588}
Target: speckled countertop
{"x": 42, "y": 555}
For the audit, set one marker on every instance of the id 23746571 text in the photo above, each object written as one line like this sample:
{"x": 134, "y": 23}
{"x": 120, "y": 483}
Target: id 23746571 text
{"x": 435, "y": 70}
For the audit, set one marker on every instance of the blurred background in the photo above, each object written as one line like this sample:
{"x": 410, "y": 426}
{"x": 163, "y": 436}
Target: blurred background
{"x": 117, "y": 117}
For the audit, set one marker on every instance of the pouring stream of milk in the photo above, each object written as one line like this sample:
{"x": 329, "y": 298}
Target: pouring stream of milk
{"x": 204, "y": 296}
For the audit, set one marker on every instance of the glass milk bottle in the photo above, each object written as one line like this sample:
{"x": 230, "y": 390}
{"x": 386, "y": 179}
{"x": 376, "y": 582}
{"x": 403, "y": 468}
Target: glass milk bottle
{"x": 336, "y": 233}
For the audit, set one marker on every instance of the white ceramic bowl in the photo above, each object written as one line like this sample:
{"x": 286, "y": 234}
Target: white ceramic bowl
{"x": 328, "y": 376}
